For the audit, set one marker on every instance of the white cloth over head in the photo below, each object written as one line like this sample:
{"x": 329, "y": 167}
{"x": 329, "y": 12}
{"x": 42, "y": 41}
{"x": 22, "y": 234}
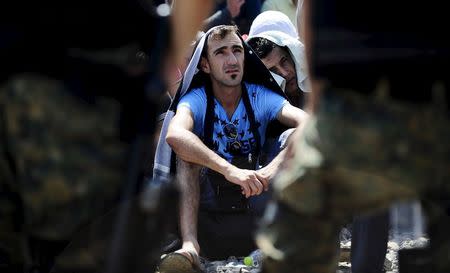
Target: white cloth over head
{"x": 276, "y": 27}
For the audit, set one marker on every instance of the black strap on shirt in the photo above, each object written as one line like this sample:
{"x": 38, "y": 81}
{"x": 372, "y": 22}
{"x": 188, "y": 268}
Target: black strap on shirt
{"x": 251, "y": 118}
{"x": 228, "y": 196}
{"x": 208, "y": 126}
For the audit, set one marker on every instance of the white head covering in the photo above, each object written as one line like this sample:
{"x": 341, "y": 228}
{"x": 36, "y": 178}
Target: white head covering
{"x": 276, "y": 27}
{"x": 163, "y": 154}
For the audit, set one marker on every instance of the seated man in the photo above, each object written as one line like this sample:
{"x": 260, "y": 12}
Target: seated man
{"x": 219, "y": 129}
{"x": 275, "y": 40}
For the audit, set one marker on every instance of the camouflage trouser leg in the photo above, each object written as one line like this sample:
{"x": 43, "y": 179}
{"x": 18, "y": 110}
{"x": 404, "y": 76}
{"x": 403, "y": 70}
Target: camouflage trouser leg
{"x": 356, "y": 155}
{"x": 62, "y": 166}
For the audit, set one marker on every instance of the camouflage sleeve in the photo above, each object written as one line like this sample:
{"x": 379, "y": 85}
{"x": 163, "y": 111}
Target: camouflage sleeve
{"x": 11, "y": 240}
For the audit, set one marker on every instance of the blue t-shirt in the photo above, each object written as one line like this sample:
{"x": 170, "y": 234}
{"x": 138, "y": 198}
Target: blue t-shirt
{"x": 265, "y": 103}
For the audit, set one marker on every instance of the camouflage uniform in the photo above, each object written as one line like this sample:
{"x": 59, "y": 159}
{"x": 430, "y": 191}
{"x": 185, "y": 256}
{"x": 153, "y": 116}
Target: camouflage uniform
{"x": 61, "y": 165}
{"x": 358, "y": 154}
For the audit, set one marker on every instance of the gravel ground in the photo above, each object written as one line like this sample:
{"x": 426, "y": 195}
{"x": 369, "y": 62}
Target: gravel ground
{"x": 397, "y": 242}
{"x": 407, "y": 231}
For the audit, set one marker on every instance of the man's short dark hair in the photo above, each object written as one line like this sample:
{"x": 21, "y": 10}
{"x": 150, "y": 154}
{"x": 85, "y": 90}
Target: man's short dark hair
{"x": 261, "y": 46}
{"x": 222, "y": 31}
{"x": 219, "y": 33}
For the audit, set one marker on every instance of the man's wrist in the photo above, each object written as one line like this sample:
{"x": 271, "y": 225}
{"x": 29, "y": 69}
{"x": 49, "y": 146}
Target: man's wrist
{"x": 228, "y": 169}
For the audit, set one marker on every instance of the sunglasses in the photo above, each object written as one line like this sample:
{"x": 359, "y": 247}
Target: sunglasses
{"x": 231, "y": 133}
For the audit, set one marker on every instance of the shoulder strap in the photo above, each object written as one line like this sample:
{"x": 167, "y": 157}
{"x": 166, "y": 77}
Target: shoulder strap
{"x": 251, "y": 118}
{"x": 208, "y": 125}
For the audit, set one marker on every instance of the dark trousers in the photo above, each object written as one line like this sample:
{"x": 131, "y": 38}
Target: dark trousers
{"x": 221, "y": 235}
{"x": 369, "y": 242}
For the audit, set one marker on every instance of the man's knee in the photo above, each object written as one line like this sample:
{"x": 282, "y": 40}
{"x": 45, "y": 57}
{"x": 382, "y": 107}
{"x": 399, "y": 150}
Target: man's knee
{"x": 187, "y": 173}
{"x": 274, "y": 146}
{"x": 283, "y": 138}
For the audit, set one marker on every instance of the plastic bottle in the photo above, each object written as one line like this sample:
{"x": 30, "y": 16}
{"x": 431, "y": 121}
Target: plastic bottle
{"x": 254, "y": 259}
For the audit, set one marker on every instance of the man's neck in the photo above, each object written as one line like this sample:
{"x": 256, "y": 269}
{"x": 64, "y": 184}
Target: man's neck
{"x": 227, "y": 96}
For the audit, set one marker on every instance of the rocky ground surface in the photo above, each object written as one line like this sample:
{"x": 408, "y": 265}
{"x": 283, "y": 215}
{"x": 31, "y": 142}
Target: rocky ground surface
{"x": 396, "y": 242}
{"x": 232, "y": 265}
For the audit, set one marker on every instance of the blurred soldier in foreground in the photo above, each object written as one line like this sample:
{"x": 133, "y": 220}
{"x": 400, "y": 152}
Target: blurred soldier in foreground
{"x": 72, "y": 104}
{"x": 284, "y": 54}
{"x": 378, "y": 133}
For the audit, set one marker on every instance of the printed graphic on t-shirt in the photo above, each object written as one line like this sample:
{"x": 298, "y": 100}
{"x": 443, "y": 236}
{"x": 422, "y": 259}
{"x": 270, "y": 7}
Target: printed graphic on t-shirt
{"x": 233, "y": 137}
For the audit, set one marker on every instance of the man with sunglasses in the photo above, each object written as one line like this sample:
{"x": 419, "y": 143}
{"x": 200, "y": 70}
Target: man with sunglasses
{"x": 218, "y": 130}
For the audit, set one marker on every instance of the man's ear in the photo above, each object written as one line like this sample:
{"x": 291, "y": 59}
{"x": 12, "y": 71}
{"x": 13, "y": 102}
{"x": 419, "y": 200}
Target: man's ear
{"x": 204, "y": 65}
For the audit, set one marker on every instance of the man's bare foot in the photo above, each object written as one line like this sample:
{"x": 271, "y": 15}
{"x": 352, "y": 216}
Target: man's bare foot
{"x": 190, "y": 250}
{"x": 178, "y": 262}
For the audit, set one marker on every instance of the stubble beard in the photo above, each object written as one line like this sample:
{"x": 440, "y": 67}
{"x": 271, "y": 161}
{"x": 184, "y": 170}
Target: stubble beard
{"x": 292, "y": 86}
{"x": 232, "y": 82}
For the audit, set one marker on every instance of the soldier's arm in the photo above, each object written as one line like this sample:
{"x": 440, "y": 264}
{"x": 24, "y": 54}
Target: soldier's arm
{"x": 304, "y": 28}
{"x": 191, "y": 149}
{"x": 187, "y": 19}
